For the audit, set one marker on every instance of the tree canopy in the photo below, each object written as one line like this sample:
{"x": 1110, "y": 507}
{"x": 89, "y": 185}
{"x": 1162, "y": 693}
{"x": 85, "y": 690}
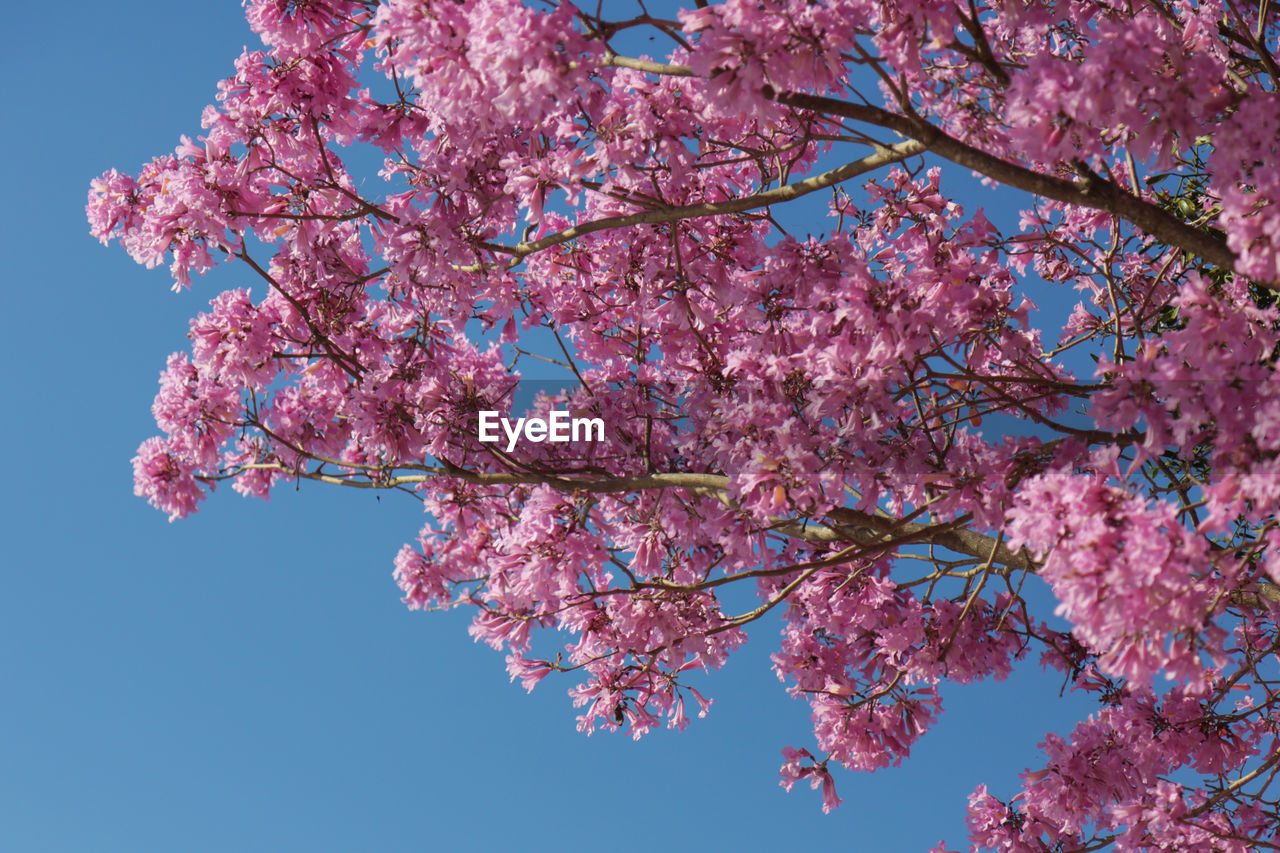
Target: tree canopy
{"x": 875, "y": 421}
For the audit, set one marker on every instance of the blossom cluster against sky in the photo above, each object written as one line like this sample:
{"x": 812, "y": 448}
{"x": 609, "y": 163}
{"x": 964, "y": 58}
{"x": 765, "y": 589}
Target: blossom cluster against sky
{"x": 247, "y": 679}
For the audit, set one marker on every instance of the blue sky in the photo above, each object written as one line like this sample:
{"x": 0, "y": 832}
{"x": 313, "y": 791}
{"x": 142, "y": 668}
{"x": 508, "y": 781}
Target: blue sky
{"x": 248, "y": 679}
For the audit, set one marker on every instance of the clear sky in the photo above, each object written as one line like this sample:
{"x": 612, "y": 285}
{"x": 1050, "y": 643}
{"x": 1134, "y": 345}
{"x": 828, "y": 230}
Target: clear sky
{"x": 248, "y": 679}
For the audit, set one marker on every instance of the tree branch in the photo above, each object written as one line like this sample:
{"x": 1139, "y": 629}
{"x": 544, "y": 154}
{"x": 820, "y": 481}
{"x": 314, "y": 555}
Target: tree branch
{"x": 1090, "y": 191}
{"x": 959, "y": 539}
{"x": 846, "y": 524}
{"x": 645, "y": 65}
{"x": 850, "y": 524}
{"x": 883, "y": 156}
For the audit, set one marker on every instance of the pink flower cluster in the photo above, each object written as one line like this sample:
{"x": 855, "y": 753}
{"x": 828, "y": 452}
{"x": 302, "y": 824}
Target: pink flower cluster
{"x": 865, "y": 430}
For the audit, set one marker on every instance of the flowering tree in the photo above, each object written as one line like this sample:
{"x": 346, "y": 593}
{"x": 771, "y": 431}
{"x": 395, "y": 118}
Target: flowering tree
{"x": 802, "y": 416}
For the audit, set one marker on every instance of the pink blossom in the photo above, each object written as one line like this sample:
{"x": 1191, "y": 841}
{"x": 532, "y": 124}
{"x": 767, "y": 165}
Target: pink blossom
{"x": 882, "y": 435}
